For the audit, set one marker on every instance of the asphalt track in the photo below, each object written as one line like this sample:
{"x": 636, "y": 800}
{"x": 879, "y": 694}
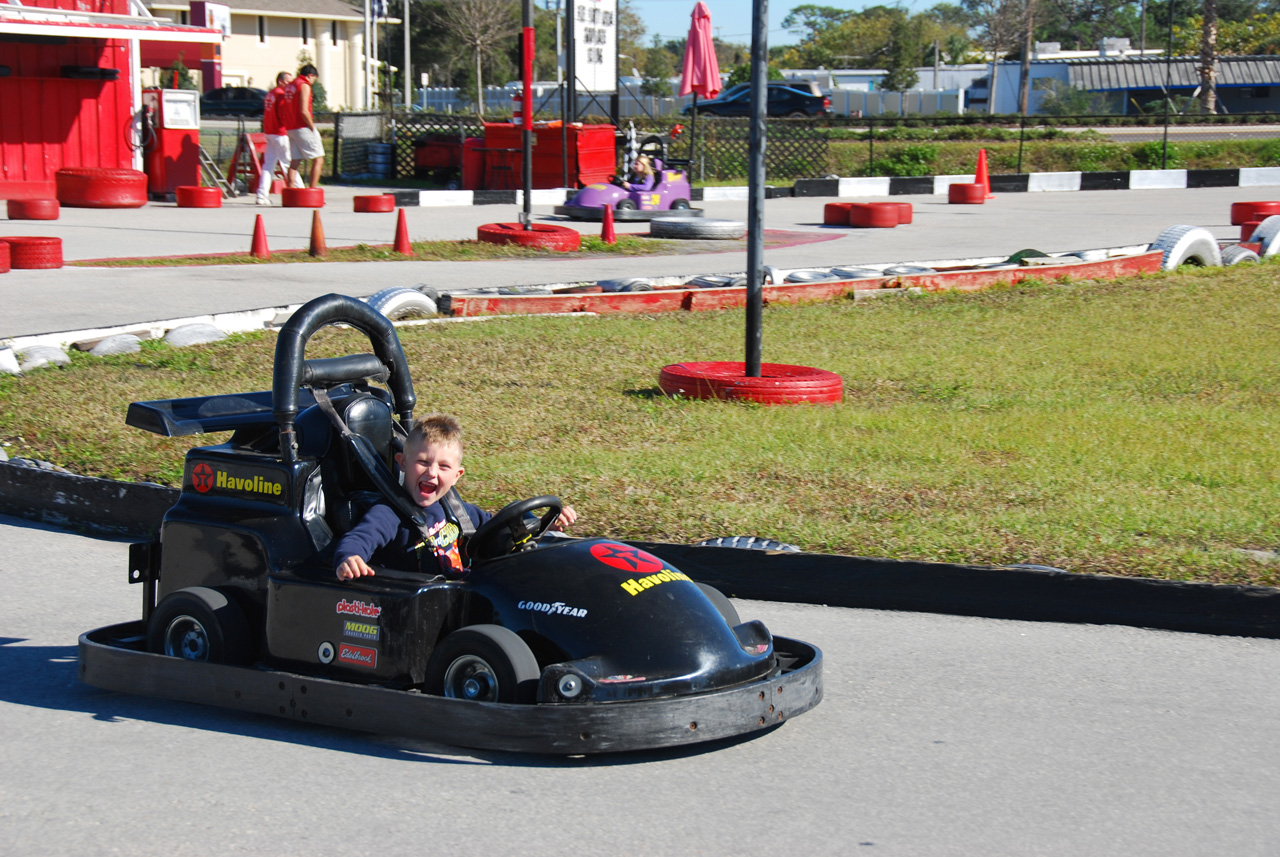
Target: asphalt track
{"x": 939, "y": 735}
{"x": 74, "y": 298}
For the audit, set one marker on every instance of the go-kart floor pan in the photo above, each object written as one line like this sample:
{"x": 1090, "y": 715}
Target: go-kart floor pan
{"x": 114, "y": 658}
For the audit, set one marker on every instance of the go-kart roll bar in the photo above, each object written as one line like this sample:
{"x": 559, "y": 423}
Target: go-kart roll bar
{"x": 290, "y": 365}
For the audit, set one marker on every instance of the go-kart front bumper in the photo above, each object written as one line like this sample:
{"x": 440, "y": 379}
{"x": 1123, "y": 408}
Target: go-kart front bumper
{"x": 596, "y": 213}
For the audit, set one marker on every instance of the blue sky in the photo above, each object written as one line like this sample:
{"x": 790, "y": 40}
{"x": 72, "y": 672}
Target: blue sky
{"x": 730, "y": 19}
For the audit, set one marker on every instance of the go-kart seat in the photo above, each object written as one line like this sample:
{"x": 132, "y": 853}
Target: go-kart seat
{"x": 348, "y": 490}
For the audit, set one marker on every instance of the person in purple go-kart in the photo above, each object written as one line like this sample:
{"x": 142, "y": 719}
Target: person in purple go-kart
{"x": 640, "y": 176}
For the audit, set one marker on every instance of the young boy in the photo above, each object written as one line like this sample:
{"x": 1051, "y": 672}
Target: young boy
{"x": 432, "y": 464}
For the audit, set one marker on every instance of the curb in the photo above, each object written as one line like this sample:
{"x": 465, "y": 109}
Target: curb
{"x": 1064, "y": 182}
{"x": 102, "y": 506}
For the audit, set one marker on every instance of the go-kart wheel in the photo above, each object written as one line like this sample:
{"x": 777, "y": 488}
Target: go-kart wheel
{"x": 679, "y": 205}
{"x": 200, "y": 624}
{"x": 626, "y": 205}
{"x": 506, "y": 533}
{"x": 722, "y": 604}
{"x": 797, "y": 114}
{"x": 483, "y": 663}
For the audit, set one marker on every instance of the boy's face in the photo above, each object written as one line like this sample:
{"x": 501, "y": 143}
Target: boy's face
{"x": 430, "y": 470}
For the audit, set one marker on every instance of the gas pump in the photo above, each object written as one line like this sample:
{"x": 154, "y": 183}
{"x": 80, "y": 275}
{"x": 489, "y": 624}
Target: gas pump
{"x": 171, "y": 158}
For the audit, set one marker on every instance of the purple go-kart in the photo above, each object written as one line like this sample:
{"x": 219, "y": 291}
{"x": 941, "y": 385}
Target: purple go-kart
{"x": 670, "y": 192}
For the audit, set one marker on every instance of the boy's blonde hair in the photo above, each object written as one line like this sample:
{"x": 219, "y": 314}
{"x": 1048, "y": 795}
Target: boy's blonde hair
{"x": 436, "y": 429}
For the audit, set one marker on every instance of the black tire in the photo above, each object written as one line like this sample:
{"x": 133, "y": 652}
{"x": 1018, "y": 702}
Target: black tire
{"x": 797, "y": 114}
{"x": 625, "y": 205}
{"x": 483, "y": 663}
{"x": 753, "y": 543}
{"x": 722, "y": 604}
{"x": 200, "y": 624}
{"x": 680, "y": 205}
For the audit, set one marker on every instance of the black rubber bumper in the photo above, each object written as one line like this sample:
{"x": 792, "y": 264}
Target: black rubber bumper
{"x": 582, "y": 212}
{"x": 112, "y": 658}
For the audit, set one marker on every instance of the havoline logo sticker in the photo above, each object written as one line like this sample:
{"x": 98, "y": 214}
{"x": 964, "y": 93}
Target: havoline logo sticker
{"x": 250, "y": 483}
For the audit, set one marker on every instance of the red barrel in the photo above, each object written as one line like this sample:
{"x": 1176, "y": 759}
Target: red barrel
{"x": 34, "y": 209}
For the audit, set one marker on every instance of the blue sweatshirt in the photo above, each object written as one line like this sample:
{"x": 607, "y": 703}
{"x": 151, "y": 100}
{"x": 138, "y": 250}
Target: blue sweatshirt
{"x": 383, "y": 538}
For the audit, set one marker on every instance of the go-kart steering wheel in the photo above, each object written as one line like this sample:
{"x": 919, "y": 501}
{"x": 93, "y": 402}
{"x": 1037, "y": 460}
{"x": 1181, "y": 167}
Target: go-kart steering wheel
{"x": 490, "y": 539}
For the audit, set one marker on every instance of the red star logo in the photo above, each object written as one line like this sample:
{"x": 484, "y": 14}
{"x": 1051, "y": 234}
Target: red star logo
{"x": 202, "y": 477}
{"x": 626, "y": 558}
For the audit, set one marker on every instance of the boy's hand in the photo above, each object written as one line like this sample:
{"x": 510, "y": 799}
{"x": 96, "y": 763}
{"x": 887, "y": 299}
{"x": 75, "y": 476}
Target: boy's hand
{"x": 566, "y": 517}
{"x": 352, "y": 567}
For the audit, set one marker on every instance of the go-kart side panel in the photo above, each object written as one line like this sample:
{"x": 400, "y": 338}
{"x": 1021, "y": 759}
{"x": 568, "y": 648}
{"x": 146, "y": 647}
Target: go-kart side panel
{"x": 380, "y": 629}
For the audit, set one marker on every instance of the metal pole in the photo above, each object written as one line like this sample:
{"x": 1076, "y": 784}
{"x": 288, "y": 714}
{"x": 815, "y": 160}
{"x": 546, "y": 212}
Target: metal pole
{"x": 1168, "y": 91}
{"x": 408, "y": 84}
{"x": 526, "y": 116}
{"x": 755, "y": 193}
{"x": 368, "y": 99}
{"x": 570, "y": 62}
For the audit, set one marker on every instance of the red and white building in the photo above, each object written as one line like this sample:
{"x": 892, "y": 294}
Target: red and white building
{"x": 70, "y": 85}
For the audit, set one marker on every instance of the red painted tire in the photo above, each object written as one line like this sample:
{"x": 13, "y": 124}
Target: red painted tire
{"x": 779, "y": 383}
{"x": 580, "y": 290}
{"x": 836, "y": 214}
{"x": 543, "y": 236}
{"x": 873, "y": 215}
{"x": 1243, "y": 212}
{"x": 101, "y": 187}
{"x": 28, "y": 252}
{"x": 193, "y": 196}
{"x": 1246, "y": 229}
{"x": 380, "y": 202}
{"x": 905, "y": 212}
{"x": 302, "y": 197}
{"x": 34, "y": 209}
{"x": 4, "y": 257}
{"x": 967, "y": 194}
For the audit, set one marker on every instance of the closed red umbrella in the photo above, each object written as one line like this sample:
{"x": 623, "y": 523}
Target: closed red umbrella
{"x": 701, "y": 72}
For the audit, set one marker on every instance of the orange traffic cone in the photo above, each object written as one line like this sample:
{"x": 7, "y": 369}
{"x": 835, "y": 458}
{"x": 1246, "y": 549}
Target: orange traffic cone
{"x": 259, "y": 249}
{"x": 402, "y": 244}
{"x": 607, "y": 235}
{"x": 981, "y": 176}
{"x": 317, "y": 236}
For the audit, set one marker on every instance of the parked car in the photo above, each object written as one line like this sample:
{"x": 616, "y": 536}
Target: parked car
{"x": 794, "y": 99}
{"x": 233, "y": 101}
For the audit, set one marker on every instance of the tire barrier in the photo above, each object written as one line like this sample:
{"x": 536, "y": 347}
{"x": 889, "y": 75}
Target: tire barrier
{"x": 907, "y": 270}
{"x": 836, "y": 213}
{"x": 1243, "y": 212}
{"x": 966, "y": 193}
{"x": 4, "y": 257}
{"x": 302, "y": 197}
{"x": 689, "y": 228}
{"x": 856, "y": 273}
{"x": 627, "y": 284}
{"x": 750, "y": 543}
{"x": 779, "y": 384}
{"x": 400, "y": 302}
{"x": 873, "y": 215}
{"x": 1247, "y": 228}
{"x": 194, "y": 196}
{"x": 905, "y": 212}
{"x": 543, "y": 236}
{"x": 810, "y": 277}
{"x": 1188, "y": 245}
{"x": 375, "y": 203}
{"x": 101, "y": 187}
{"x": 1265, "y": 236}
{"x": 33, "y": 209}
{"x": 718, "y": 281}
{"x": 1237, "y": 255}
{"x": 30, "y": 252}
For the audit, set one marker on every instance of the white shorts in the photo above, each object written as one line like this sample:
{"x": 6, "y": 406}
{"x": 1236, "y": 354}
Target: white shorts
{"x": 305, "y": 144}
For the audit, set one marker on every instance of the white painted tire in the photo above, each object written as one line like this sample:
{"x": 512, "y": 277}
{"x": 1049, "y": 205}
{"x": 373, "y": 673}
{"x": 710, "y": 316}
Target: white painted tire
{"x": 696, "y": 227}
{"x": 398, "y": 303}
{"x": 1268, "y": 235}
{"x": 1237, "y": 255}
{"x": 718, "y": 281}
{"x": 1188, "y": 245}
{"x": 807, "y": 276}
{"x": 856, "y": 273}
{"x": 904, "y": 270}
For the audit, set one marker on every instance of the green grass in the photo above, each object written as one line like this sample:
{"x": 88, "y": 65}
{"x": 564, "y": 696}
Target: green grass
{"x": 1123, "y": 427}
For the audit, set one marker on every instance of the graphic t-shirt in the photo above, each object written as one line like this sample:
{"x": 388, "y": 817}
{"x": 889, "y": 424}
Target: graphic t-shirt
{"x": 382, "y": 538}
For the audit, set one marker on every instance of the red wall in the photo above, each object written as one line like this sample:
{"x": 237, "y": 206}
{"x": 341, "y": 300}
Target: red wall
{"x": 51, "y": 121}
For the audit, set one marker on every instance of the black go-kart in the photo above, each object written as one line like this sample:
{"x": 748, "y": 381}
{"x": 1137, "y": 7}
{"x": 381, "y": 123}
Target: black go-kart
{"x": 546, "y": 644}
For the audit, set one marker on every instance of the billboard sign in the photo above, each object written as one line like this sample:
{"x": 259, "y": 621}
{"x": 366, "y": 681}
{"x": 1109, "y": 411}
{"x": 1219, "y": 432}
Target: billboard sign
{"x": 595, "y": 41}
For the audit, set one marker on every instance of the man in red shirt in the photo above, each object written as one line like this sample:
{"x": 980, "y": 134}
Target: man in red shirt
{"x": 304, "y": 139}
{"x": 277, "y": 137}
